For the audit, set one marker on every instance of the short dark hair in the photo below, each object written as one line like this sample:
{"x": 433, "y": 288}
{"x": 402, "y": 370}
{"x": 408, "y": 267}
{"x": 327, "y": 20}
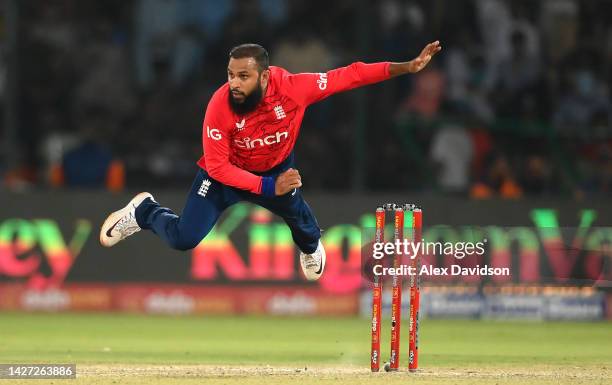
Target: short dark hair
{"x": 255, "y": 51}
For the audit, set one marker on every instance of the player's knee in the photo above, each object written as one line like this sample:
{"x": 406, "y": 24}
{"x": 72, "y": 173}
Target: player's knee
{"x": 184, "y": 244}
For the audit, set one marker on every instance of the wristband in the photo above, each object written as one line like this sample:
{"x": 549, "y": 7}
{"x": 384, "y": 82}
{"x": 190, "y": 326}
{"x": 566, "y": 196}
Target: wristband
{"x": 268, "y": 186}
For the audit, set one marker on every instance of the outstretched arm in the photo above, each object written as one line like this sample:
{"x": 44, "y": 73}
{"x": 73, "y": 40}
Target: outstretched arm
{"x": 308, "y": 88}
{"x": 418, "y": 63}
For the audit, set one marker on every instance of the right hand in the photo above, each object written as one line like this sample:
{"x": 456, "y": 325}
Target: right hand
{"x": 287, "y": 181}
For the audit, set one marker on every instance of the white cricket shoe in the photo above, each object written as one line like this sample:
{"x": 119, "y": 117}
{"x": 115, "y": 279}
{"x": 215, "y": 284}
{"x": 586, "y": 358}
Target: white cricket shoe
{"x": 313, "y": 264}
{"x": 122, "y": 223}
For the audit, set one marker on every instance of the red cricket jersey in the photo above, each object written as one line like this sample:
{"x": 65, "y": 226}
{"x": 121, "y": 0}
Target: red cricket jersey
{"x": 235, "y": 146}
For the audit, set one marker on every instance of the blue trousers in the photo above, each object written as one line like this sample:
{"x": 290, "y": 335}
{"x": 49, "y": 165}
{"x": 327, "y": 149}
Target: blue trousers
{"x": 208, "y": 198}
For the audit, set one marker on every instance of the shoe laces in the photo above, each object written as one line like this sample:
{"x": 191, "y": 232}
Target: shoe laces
{"x": 127, "y": 225}
{"x": 310, "y": 260}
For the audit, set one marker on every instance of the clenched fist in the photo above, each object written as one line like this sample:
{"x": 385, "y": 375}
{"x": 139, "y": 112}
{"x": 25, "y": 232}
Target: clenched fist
{"x": 287, "y": 181}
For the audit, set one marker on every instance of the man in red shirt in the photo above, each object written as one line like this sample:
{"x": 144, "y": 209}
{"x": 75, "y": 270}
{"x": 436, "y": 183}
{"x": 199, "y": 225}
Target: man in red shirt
{"x": 249, "y": 131}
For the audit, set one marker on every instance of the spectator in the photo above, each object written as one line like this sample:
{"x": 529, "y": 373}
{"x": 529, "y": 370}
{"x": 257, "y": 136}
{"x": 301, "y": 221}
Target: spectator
{"x": 453, "y": 152}
{"x": 537, "y": 176}
{"x": 301, "y": 51}
{"x": 165, "y": 38}
{"x": 106, "y": 83}
{"x": 559, "y": 25}
{"x": 427, "y": 94}
{"x": 498, "y": 181}
{"x": 518, "y": 74}
{"x": 89, "y": 163}
{"x": 586, "y": 98}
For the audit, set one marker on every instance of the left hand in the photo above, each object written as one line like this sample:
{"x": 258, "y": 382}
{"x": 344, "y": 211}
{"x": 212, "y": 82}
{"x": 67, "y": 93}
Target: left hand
{"x": 425, "y": 56}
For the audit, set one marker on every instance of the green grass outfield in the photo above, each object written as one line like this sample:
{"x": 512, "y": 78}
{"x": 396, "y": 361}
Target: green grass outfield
{"x": 133, "y": 349}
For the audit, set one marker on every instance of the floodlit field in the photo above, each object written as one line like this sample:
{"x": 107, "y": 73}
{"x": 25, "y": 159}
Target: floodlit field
{"x": 130, "y": 349}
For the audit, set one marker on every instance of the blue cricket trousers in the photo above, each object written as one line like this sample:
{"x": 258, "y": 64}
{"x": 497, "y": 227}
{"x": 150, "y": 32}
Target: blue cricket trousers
{"x": 207, "y": 200}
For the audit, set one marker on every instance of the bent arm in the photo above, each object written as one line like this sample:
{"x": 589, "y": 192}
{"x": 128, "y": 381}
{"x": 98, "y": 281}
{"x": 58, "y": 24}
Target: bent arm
{"x": 218, "y": 165}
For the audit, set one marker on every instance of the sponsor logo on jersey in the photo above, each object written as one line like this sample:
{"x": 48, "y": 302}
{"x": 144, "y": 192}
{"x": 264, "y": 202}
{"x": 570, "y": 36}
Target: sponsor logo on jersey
{"x": 322, "y": 81}
{"x": 260, "y": 142}
{"x": 213, "y": 133}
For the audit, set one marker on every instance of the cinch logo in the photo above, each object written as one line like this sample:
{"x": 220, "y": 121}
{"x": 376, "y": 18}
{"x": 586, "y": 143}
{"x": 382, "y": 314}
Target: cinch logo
{"x": 214, "y": 133}
{"x": 322, "y": 81}
{"x": 268, "y": 140}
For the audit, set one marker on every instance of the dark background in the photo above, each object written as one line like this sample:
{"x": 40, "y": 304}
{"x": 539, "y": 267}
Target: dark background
{"x": 517, "y": 104}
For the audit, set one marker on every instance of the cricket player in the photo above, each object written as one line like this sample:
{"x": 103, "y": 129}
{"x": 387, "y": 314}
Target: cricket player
{"x": 250, "y": 128}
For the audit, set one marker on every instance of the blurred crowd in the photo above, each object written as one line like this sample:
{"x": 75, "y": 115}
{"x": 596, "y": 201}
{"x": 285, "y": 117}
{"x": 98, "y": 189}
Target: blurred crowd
{"x": 112, "y": 94}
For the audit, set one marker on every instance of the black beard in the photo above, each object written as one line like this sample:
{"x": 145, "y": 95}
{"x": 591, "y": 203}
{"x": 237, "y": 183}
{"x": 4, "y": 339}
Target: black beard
{"x": 250, "y": 102}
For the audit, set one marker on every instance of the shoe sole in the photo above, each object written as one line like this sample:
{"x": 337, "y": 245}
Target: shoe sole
{"x": 114, "y": 217}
